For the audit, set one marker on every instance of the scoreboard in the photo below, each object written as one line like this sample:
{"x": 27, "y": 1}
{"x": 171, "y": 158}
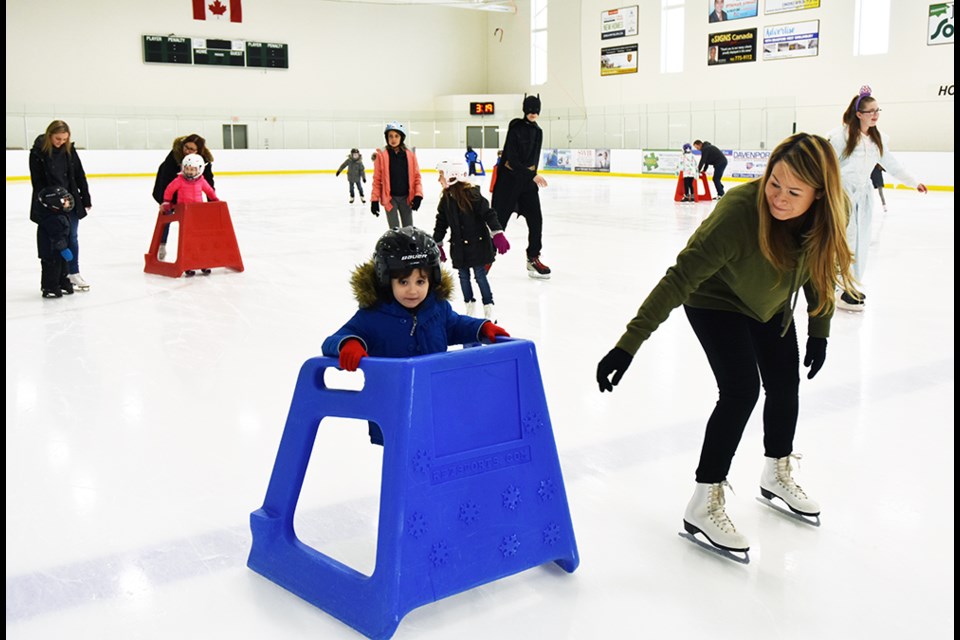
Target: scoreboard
{"x": 212, "y": 51}
{"x": 267, "y": 54}
{"x": 228, "y": 53}
{"x": 168, "y": 49}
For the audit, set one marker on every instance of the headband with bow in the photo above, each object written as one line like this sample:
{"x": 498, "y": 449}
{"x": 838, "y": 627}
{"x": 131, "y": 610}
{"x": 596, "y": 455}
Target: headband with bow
{"x": 865, "y": 92}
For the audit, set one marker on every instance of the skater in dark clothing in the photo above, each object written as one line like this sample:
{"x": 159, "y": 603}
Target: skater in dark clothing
{"x": 471, "y": 157}
{"x": 474, "y": 233}
{"x": 876, "y": 177}
{"x": 356, "y": 173}
{"x": 518, "y": 184}
{"x": 738, "y": 280}
{"x": 711, "y": 155}
{"x": 53, "y": 239}
{"x": 54, "y": 162}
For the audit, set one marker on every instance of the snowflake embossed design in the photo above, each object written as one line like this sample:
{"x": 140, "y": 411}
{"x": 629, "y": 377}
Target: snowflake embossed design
{"x": 509, "y": 545}
{"x": 469, "y": 512}
{"x": 421, "y": 461}
{"x": 551, "y": 534}
{"x": 532, "y": 422}
{"x": 511, "y": 497}
{"x": 439, "y": 554}
{"x": 547, "y": 489}
{"x": 416, "y": 524}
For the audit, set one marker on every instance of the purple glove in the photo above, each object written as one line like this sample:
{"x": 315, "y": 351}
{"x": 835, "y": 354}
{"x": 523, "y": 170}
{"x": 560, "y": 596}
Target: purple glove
{"x": 501, "y": 243}
{"x": 443, "y": 254}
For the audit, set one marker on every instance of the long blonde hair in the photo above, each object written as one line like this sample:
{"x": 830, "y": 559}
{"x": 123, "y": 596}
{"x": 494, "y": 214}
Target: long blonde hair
{"x": 824, "y": 243}
{"x": 57, "y": 126}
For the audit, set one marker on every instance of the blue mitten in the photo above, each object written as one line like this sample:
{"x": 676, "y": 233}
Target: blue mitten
{"x": 67, "y": 254}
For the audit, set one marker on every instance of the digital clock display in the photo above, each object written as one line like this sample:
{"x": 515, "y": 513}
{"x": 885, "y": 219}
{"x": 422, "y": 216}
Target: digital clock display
{"x": 481, "y": 108}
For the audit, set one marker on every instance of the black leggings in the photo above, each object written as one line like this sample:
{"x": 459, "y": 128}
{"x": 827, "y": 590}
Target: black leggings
{"x": 742, "y": 352}
{"x": 513, "y": 193}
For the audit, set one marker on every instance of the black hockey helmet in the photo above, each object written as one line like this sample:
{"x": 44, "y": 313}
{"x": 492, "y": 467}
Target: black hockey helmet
{"x": 56, "y": 199}
{"x": 406, "y": 248}
{"x": 531, "y": 104}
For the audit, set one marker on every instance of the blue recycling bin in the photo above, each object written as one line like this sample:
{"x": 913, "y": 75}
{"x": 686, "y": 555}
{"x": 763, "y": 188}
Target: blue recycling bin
{"x": 471, "y": 492}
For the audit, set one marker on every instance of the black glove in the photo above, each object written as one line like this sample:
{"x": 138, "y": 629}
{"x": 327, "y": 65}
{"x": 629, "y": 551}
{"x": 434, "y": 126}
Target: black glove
{"x": 616, "y": 361}
{"x": 375, "y": 208}
{"x": 338, "y": 174}
{"x": 416, "y": 202}
{"x": 816, "y": 354}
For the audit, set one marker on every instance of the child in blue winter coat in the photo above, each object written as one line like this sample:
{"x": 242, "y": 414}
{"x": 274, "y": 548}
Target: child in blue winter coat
{"x": 404, "y": 308}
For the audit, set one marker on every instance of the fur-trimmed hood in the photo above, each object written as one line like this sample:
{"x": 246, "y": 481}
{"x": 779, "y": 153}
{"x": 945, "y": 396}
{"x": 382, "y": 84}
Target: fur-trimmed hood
{"x": 363, "y": 281}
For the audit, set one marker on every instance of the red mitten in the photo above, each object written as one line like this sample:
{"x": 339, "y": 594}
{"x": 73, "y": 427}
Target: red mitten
{"x": 166, "y": 207}
{"x": 490, "y": 331}
{"x": 350, "y": 353}
{"x": 443, "y": 254}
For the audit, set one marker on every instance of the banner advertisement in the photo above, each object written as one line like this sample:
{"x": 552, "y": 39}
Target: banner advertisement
{"x": 732, "y": 46}
{"x": 782, "y": 6}
{"x": 662, "y": 161}
{"x": 617, "y": 60}
{"x": 940, "y": 24}
{"x": 595, "y": 160}
{"x": 618, "y": 23}
{"x": 746, "y": 163}
{"x": 723, "y": 10}
{"x": 740, "y": 164}
{"x": 797, "y": 40}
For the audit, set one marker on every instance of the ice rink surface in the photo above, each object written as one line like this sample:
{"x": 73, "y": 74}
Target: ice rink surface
{"x": 143, "y": 418}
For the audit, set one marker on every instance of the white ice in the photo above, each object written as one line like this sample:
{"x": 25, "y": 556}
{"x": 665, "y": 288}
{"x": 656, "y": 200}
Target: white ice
{"x": 143, "y": 418}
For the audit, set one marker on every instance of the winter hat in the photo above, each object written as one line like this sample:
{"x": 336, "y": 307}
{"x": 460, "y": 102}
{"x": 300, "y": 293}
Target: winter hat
{"x": 531, "y": 104}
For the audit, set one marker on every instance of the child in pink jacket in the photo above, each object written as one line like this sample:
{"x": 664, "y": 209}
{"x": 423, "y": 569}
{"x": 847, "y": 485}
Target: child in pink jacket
{"x": 396, "y": 179}
{"x": 189, "y": 186}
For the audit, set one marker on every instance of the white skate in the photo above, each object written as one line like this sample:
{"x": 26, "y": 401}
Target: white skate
{"x": 777, "y": 481}
{"x": 706, "y": 515}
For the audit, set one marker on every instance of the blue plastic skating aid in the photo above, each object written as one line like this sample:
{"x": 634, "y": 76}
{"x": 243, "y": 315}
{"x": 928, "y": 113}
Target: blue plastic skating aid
{"x": 471, "y": 491}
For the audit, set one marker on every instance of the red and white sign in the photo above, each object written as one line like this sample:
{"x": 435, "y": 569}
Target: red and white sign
{"x": 218, "y": 10}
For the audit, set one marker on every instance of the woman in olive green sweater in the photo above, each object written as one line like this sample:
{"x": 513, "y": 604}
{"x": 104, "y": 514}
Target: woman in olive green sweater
{"x": 738, "y": 280}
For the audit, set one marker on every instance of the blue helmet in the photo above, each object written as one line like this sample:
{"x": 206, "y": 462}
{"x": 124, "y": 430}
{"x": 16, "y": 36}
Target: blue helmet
{"x": 687, "y": 148}
{"x": 395, "y": 126}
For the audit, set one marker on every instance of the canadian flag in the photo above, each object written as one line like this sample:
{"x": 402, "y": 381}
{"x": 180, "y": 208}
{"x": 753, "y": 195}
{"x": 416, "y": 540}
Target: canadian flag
{"x": 218, "y": 10}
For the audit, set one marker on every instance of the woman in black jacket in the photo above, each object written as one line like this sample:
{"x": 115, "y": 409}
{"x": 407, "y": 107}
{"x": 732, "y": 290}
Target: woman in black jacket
{"x": 54, "y": 162}
{"x": 711, "y": 155}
